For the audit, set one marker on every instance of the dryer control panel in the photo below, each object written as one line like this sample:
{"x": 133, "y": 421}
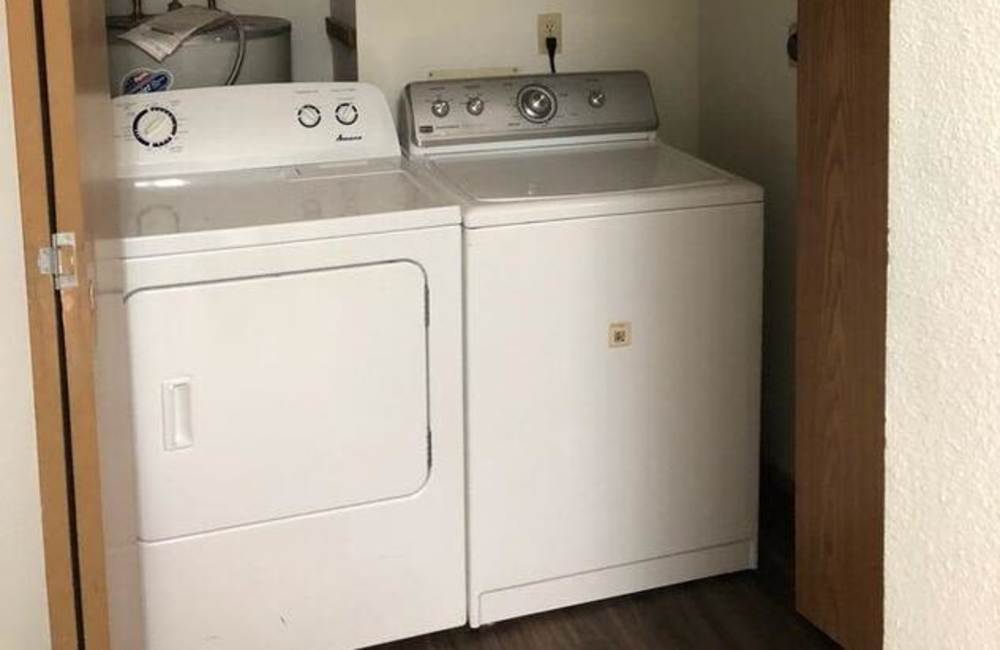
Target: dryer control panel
{"x": 473, "y": 111}
{"x": 247, "y": 127}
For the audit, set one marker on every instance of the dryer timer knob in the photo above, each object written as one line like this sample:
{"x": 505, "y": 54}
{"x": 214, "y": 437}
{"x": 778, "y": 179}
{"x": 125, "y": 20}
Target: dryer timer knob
{"x": 155, "y": 127}
{"x": 597, "y": 99}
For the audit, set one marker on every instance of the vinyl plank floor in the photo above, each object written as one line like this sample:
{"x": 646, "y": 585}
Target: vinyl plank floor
{"x": 751, "y": 610}
{"x": 731, "y": 612}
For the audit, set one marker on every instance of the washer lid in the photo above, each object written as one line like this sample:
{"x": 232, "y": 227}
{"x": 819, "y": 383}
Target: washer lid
{"x": 167, "y": 215}
{"x": 568, "y": 182}
{"x": 566, "y": 172}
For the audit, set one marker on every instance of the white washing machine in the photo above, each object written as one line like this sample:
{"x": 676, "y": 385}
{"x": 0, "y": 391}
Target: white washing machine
{"x": 613, "y": 340}
{"x": 283, "y": 442}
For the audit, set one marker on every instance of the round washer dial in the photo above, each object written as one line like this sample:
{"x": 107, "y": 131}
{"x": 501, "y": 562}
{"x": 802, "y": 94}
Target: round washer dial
{"x": 537, "y": 103}
{"x": 154, "y": 127}
{"x": 441, "y": 108}
{"x": 476, "y": 106}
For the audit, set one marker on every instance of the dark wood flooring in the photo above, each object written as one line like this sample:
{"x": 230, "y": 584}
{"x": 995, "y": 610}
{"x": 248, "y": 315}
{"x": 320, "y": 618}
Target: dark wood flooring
{"x": 751, "y": 610}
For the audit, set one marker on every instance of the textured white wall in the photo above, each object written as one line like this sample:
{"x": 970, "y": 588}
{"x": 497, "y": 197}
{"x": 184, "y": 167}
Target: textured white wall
{"x": 404, "y": 40}
{"x": 312, "y": 54}
{"x": 24, "y": 621}
{"x": 943, "y": 411}
{"x": 748, "y": 125}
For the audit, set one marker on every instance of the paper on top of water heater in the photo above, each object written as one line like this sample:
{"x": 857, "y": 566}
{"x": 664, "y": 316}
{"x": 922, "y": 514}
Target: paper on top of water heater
{"x": 160, "y": 36}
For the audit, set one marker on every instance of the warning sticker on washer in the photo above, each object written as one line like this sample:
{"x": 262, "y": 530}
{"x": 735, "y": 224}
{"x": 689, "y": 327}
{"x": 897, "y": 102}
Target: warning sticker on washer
{"x": 620, "y": 335}
{"x": 144, "y": 80}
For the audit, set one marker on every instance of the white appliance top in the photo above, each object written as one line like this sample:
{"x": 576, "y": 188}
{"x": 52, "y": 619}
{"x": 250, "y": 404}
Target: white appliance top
{"x": 563, "y": 172}
{"x": 585, "y": 180}
{"x": 215, "y": 168}
{"x": 553, "y": 147}
{"x": 200, "y": 212}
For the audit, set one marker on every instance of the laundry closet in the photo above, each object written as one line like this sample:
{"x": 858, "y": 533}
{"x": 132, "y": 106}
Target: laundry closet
{"x": 435, "y": 323}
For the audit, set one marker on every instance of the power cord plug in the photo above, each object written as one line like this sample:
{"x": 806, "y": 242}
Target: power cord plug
{"x": 552, "y": 45}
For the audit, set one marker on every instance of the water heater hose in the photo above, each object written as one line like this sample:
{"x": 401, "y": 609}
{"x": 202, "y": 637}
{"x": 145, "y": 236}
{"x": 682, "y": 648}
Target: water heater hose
{"x": 241, "y": 52}
{"x": 241, "y": 34}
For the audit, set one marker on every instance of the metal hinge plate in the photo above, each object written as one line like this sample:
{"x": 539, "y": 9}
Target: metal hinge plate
{"x": 59, "y": 260}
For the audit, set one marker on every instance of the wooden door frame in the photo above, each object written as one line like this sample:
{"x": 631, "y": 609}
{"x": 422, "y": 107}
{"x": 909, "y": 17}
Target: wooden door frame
{"x": 81, "y": 162}
{"x": 30, "y": 130}
{"x": 46, "y": 38}
{"x": 842, "y": 276}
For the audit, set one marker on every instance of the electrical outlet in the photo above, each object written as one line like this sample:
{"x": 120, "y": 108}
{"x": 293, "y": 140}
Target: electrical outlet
{"x": 549, "y": 25}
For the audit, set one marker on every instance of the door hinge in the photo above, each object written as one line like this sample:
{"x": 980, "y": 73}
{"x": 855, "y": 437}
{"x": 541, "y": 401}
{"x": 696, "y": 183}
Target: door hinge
{"x": 59, "y": 260}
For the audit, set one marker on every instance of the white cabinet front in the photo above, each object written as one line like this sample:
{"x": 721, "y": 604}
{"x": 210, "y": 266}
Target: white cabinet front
{"x": 613, "y": 391}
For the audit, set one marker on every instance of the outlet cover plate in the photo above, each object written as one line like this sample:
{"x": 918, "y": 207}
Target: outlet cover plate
{"x": 549, "y": 25}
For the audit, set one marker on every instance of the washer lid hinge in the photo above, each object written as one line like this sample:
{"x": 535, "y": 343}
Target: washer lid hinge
{"x": 59, "y": 260}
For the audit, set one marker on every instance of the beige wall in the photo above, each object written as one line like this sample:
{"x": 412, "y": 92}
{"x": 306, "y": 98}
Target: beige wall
{"x": 943, "y": 410}
{"x": 748, "y": 126}
{"x": 404, "y": 40}
{"x": 23, "y": 608}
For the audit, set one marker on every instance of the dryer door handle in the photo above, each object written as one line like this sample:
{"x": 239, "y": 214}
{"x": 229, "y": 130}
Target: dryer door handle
{"x": 177, "y": 433}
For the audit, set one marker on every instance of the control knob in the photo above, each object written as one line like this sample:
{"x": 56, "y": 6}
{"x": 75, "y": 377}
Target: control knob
{"x": 597, "y": 99}
{"x": 154, "y": 127}
{"x": 310, "y": 116}
{"x": 536, "y": 103}
{"x": 476, "y": 106}
{"x": 347, "y": 114}
{"x": 441, "y": 108}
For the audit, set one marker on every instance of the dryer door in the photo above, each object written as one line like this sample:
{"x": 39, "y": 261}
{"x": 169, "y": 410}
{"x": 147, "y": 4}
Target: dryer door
{"x": 273, "y": 397}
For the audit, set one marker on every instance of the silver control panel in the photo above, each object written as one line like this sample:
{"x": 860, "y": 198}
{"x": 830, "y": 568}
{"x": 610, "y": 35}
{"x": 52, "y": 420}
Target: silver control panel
{"x": 469, "y": 111}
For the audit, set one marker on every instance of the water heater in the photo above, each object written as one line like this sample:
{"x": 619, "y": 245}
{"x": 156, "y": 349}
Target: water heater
{"x": 208, "y": 58}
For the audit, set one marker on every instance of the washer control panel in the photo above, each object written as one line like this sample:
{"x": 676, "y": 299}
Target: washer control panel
{"x": 470, "y": 111}
{"x": 244, "y": 127}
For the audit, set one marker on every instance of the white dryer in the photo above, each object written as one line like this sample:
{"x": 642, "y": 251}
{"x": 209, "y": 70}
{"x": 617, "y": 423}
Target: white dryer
{"x": 613, "y": 340}
{"x": 282, "y": 445}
